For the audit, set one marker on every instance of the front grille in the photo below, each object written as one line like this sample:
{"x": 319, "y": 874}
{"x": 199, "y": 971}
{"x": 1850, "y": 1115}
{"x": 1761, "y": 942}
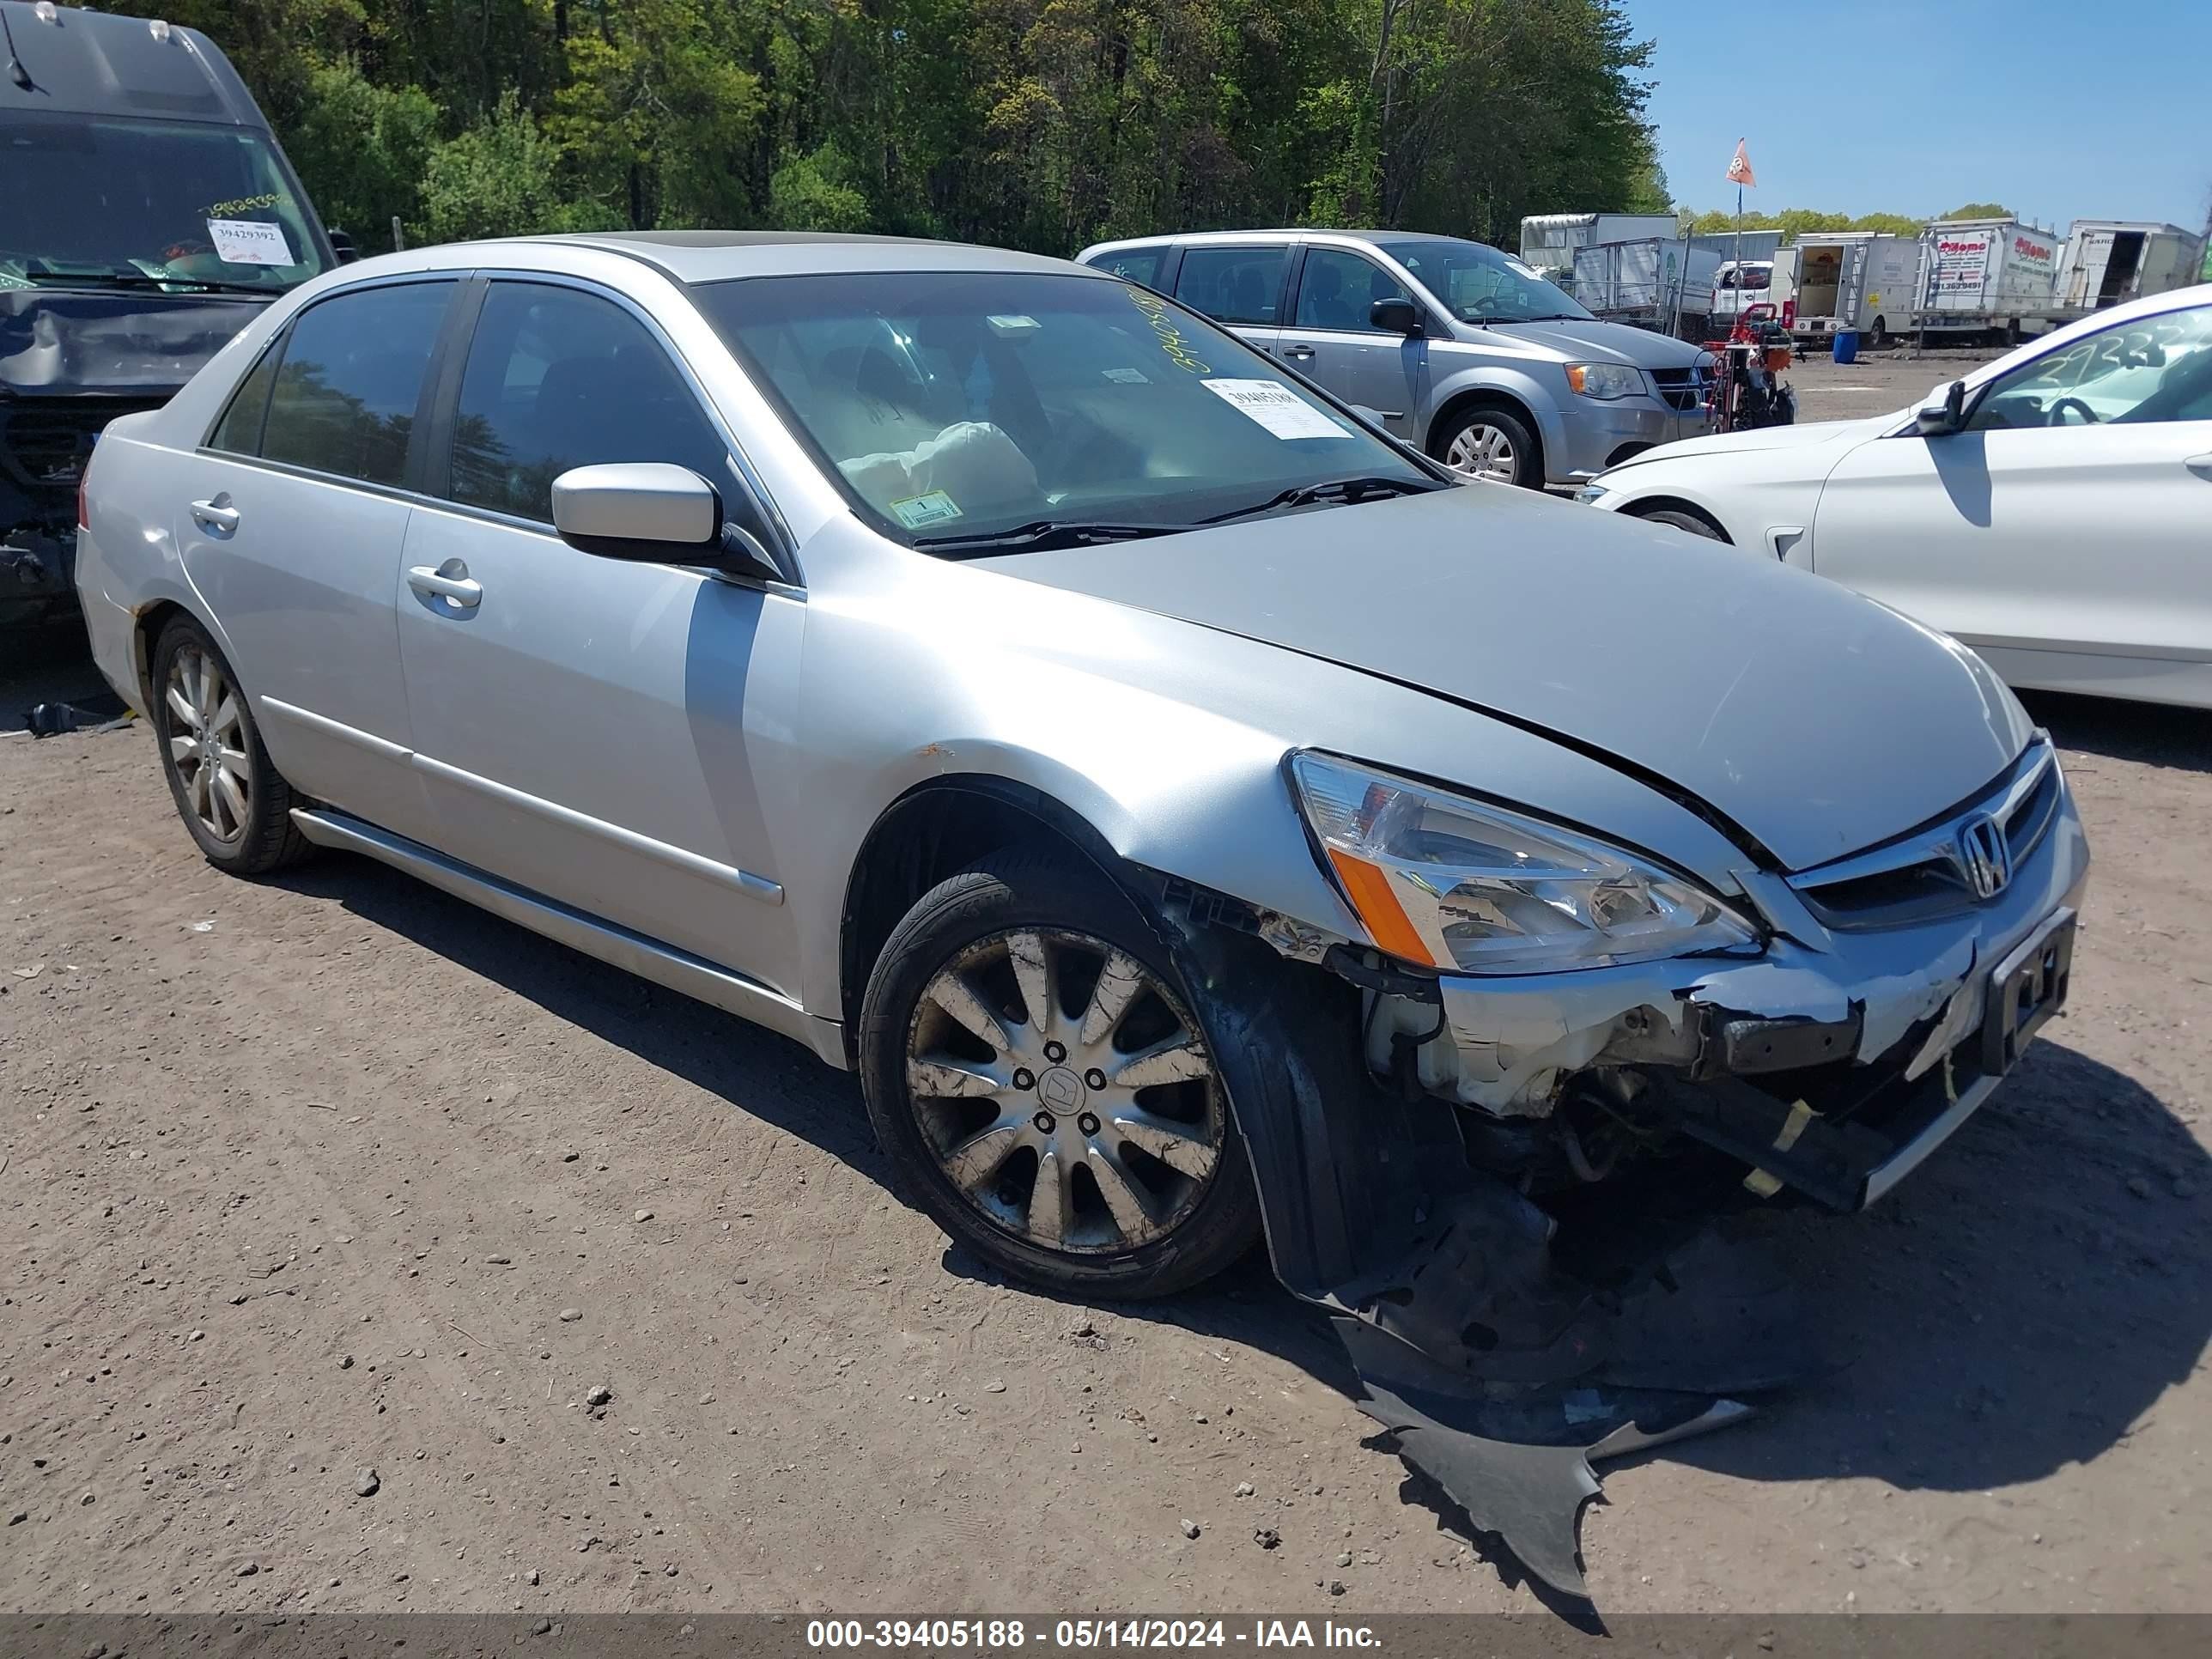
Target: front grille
{"x": 1928, "y": 873}
{"x": 44, "y": 441}
{"x": 1683, "y": 389}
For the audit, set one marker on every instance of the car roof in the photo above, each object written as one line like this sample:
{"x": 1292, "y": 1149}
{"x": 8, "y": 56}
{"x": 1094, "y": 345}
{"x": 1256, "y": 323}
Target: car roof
{"x": 1381, "y": 239}
{"x": 91, "y": 62}
{"x": 707, "y": 256}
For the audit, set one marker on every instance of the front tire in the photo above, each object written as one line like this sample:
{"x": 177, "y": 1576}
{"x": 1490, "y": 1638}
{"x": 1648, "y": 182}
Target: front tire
{"x": 1492, "y": 446}
{"x": 1033, "y": 1069}
{"x": 229, "y": 792}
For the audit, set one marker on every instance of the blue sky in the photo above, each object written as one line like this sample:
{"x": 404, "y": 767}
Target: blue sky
{"x": 2060, "y": 109}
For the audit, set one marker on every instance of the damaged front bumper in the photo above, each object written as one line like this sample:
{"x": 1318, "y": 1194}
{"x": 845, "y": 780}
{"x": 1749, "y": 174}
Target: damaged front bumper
{"x": 1513, "y": 1317}
{"x": 1834, "y": 1061}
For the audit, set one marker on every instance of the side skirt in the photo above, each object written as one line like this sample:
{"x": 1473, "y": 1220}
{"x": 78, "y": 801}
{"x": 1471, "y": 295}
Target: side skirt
{"x": 664, "y": 964}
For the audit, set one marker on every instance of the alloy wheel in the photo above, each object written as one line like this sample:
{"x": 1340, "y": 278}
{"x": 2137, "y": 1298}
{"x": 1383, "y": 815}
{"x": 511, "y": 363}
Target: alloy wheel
{"x": 207, "y": 742}
{"x": 1064, "y": 1091}
{"x": 1480, "y": 450}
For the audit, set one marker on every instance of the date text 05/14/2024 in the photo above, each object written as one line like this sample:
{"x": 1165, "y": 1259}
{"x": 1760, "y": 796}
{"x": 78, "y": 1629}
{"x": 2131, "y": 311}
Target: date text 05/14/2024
{"x": 988, "y": 1636}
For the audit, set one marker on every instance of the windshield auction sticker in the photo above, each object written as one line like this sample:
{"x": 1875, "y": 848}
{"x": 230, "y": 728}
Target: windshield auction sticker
{"x": 249, "y": 242}
{"x": 917, "y": 512}
{"x": 1277, "y": 408}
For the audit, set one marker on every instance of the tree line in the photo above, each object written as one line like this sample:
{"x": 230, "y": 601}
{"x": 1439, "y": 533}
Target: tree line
{"x": 1793, "y": 222}
{"x": 1034, "y": 124}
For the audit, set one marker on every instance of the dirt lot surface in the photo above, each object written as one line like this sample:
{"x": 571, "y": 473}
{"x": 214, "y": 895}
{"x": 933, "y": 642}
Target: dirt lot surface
{"x": 328, "y": 1201}
{"x": 1878, "y": 381}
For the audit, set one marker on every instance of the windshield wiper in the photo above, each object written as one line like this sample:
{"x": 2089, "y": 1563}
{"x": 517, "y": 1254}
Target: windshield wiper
{"x": 1043, "y": 535}
{"x": 1345, "y": 490}
{"x": 140, "y": 279}
{"x": 1548, "y": 316}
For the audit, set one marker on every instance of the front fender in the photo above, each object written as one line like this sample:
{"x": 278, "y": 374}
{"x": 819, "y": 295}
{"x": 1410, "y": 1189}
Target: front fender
{"x": 1541, "y": 401}
{"x": 1165, "y": 782}
{"x": 1772, "y": 516}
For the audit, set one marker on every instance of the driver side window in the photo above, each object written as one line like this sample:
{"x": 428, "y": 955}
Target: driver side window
{"x": 2147, "y": 370}
{"x": 1337, "y": 288}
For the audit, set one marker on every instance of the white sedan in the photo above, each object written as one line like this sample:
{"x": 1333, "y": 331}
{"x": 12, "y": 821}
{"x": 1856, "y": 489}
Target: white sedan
{"x": 2053, "y": 509}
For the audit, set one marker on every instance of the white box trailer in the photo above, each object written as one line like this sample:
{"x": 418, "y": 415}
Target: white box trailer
{"x": 1988, "y": 275}
{"x": 1549, "y": 241}
{"x": 2106, "y": 261}
{"x": 1862, "y": 281}
{"x": 1654, "y": 281}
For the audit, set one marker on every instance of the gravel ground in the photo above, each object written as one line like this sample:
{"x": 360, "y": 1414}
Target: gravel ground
{"x": 330, "y": 1202}
{"x": 1878, "y": 382}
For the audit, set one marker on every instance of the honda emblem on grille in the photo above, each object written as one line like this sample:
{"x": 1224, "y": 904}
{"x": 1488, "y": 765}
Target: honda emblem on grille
{"x": 1984, "y": 855}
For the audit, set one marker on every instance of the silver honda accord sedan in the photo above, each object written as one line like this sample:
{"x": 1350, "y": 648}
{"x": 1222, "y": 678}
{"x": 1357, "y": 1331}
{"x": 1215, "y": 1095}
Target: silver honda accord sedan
{"x": 1192, "y": 812}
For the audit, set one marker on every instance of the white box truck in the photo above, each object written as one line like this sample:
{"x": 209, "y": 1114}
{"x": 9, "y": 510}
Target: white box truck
{"x": 2108, "y": 261}
{"x": 1549, "y": 241}
{"x": 1987, "y": 276}
{"x": 1865, "y": 281}
{"x": 1653, "y": 282}
{"x": 1738, "y": 287}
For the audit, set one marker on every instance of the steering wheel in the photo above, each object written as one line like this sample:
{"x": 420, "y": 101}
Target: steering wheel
{"x": 2089, "y": 416}
{"x": 1484, "y": 305}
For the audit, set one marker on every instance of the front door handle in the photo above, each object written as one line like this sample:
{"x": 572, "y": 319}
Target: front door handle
{"x": 450, "y": 581}
{"x": 2200, "y": 464}
{"x": 1297, "y": 351}
{"x": 217, "y": 515}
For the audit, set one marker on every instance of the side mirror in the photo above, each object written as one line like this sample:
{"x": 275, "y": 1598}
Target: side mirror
{"x": 647, "y": 511}
{"x": 341, "y": 245}
{"x": 1397, "y": 316}
{"x": 1371, "y": 417}
{"x": 1943, "y": 410}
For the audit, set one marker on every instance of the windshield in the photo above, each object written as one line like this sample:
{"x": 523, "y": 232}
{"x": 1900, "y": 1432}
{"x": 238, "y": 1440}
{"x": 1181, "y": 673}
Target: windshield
{"x": 954, "y": 406}
{"x": 1479, "y": 285}
{"x": 100, "y": 201}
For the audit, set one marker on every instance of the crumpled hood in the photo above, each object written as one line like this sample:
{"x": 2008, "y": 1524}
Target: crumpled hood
{"x": 125, "y": 343}
{"x": 1761, "y": 439}
{"x": 1815, "y": 719}
{"x": 1594, "y": 341}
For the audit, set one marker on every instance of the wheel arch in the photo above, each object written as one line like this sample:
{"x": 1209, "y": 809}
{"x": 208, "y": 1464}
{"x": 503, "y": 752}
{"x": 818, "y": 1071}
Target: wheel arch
{"x": 936, "y": 828}
{"x": 1644, "y": 507}
{"x": 1508, "y": 398}
{"x": 147, "y": 627}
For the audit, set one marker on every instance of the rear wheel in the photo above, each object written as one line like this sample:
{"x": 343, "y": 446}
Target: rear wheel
{"x": 1033, "y": 1069}
{"x": 229, "y": 793}
{"x": 1878, "y": 335}
{"x": 1493, "y": 446}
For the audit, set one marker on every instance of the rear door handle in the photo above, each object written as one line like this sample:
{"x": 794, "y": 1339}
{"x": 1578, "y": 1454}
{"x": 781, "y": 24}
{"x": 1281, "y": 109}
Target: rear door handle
{"x": 449, "y": 581}
{"x": 2200, "y": 464}
{"x": 1297, "y": 351}
{"x": 217, "y": 515}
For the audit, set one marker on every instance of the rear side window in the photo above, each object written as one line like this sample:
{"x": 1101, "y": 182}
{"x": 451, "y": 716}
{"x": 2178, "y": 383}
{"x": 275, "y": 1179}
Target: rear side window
{"x": 1234, "y": 284}
{"x": 240, "y": 429}
{"x": 352, "y": 376}
{"x": 1140, "y": 266}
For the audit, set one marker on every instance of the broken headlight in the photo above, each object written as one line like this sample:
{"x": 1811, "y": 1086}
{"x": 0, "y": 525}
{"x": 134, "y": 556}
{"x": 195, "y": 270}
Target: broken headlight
{"x": 1463, "y": 886}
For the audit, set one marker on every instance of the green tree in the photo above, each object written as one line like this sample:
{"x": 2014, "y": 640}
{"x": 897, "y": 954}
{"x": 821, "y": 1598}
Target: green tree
{"x": 656, "y": 114}
{"x": 500, "y": 178}
{"x": 365, "y": 148}
{"x": 1980, "y": 210}
{"x": 817, "y": 192}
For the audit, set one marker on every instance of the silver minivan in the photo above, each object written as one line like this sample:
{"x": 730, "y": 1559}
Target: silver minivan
{"x": 1463, "y": 350}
